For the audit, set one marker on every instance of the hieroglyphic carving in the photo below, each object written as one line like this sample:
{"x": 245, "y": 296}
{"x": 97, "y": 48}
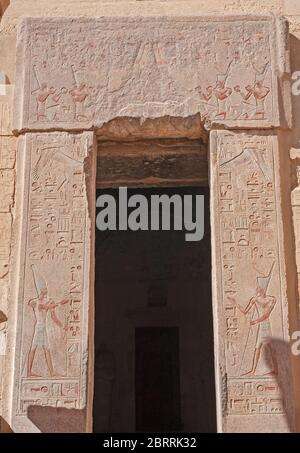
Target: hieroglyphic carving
{"x": 85, "y": 73}
{"x": 5, "y": 242}
{"x": 6, "y": 101}
{"x": 54, "y": 297}
{"x": 7, "y": 152}
{"x": 250, "y": 294}
{"x": 249, "y": 397}
{"x": 7, "y": 188}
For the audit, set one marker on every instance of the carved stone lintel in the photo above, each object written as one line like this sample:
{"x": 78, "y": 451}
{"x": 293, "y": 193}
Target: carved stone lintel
{"x": 82, "y": 74}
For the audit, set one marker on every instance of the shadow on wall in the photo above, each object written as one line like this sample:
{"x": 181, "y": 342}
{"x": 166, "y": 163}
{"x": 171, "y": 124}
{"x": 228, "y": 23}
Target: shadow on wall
{"x": 57, "y": 420}
{"x": 295, "y": 66}
{"x": 4, "y": 427}
{"x": 283, "y": 354}
{"x": 3, "y": 5}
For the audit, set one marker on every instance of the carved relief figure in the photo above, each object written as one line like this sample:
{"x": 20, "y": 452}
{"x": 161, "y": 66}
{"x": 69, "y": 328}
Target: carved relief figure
{"x": 259, "y": 92}
{"x": 249, "y": 155}
{"x": 60, "y": 108}
{"x": 79, "y": 95}
{"x": 42, "y": 306}
{"x": 221, "y": 93}
{"x": 49, "y": 157}
{"x": 259, "y": 310}
{"x": 42, "y": 94}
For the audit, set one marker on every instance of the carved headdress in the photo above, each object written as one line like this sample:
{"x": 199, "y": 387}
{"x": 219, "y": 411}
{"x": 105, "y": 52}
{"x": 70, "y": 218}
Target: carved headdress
{"x": 222, "y": 76}
{"x": 39, "y": 281}
{"x": 263, "y": 282}
{"x": 260, "y": 73}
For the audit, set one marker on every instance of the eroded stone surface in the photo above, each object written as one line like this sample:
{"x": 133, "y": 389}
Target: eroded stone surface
{"x": 81, "y": 74}
{"x": 5, "y": 242}
{"x": 7, "y": 187}
{"x": 250, "y": 302}
{"x": 7, "y": 191}
{"x": 166, "y": 127}
{"x": 152, "y": 163}
{"x": 7, "y": 152}
{"x": 53, "y": 292}
{"x": 6, "y": 111}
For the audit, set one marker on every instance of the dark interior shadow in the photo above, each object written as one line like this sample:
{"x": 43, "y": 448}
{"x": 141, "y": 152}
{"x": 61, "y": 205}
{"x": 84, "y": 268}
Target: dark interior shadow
{"x": 154, "y": 368}
{"x": 4, "y": 5}
{"x": 283, "y": 355}
{"x": 3, "y": 317}
{"x": 57, "y": 420}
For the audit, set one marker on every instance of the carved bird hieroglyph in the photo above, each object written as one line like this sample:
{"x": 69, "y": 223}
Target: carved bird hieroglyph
{"x": 50, "y": 155}
{"x": 250, "y": 155}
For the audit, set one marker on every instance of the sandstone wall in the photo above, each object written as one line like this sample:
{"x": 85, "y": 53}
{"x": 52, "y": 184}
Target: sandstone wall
{"x": 35, "y": 8}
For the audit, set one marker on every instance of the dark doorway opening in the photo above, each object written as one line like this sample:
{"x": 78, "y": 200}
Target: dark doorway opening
{"x": 157, "y": 386}
{"x": 154, "y": 357}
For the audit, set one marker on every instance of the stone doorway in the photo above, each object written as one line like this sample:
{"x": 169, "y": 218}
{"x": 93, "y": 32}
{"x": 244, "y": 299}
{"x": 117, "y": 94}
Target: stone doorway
{"x": 171, "y": 90}
{"x": 153, "y": 313}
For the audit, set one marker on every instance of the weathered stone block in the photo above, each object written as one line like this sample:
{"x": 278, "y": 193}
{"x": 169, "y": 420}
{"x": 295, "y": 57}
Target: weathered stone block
{"x": 6, "y": 102}
{"x": 7, "y": 188}
{"x": 5, "y": 242}
{"x": 152, "y": 163}
{"x": 7, "y": 152}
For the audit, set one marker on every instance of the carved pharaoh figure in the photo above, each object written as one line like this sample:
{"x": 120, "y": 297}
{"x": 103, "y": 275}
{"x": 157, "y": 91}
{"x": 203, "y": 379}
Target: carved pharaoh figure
{"x": 259, "y": 91}
{"x": 259, "y": 310}
{"x": 79, "y": 95}
{"x": 42, "y": 94}
{"x": 42, "y": 306}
